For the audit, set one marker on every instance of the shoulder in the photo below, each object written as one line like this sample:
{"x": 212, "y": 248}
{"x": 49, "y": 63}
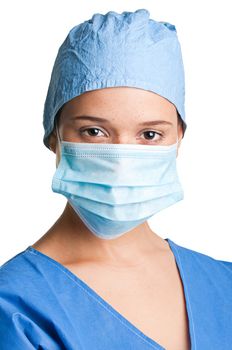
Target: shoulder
{"x": 12, "y": 270}
{"x": 208, "y": 285}
{"x": 201, "y": 258}
{"x": 29, "y": 300}
{"x": 203, "y": 268}
{"x": 15, "y": 272}
{"x": 25, "y": 275}
{"x": 14, "y": 283}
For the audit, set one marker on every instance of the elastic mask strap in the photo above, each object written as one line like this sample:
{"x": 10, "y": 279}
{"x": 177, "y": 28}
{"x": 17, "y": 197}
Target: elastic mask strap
{"x": 177, "y": 140}
{"x": 58, "y": 135}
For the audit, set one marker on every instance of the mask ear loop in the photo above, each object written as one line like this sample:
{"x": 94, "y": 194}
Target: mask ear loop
{"x": 177, "y": 142}
{"x": 58, "y": 135}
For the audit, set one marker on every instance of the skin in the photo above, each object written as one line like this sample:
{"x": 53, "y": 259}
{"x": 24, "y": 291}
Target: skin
{"x": 139, "y": 265}
{"x": 124, "y": 108}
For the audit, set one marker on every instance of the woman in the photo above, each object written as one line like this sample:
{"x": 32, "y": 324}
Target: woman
{"x": 100, "y": 278}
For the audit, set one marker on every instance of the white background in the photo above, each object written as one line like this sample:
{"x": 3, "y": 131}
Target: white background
{"x": 31, "y": 33}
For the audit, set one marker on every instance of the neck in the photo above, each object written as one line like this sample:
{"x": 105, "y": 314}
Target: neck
{"x": 75, "y": 239}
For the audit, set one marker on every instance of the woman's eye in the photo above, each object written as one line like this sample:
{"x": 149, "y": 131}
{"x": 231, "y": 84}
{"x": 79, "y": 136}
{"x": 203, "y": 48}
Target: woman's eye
{"x": 95, "y": 132}
{"x": 91, "y": 132}
{"x": 149, "y": 135}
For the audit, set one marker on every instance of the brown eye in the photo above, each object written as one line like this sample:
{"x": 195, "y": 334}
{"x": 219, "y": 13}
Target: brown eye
{"x": 150, "y": 134}
{"x": 91, "y": 131}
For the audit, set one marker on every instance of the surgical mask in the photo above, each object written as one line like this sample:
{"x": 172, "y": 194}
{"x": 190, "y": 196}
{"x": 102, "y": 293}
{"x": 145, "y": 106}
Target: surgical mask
{"x": 116, "y": 187}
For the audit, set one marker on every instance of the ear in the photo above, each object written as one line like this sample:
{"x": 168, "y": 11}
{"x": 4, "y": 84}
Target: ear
{"x": 52, "y": 141}
{"x": 180, "y": 136}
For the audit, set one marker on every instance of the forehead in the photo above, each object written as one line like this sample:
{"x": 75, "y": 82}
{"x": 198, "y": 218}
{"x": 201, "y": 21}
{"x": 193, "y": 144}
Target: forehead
{"x": 120, "y": 102}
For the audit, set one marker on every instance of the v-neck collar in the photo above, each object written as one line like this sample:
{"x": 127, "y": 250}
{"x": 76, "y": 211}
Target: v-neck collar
{"x": 175, "y": 250}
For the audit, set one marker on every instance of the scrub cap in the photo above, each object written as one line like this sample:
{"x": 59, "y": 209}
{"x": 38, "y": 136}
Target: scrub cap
{"x": 113, "y": 49}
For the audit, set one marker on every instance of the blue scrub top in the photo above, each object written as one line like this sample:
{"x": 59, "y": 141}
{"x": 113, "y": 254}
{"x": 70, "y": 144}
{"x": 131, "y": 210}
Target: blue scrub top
{"x": 44, "y": 306}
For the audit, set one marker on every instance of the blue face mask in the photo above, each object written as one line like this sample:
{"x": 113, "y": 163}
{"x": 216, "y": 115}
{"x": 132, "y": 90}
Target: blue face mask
{"x": 116, "y": 187}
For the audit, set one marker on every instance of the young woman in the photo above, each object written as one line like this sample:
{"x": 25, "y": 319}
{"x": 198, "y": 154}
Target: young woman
{"x": 100, "y": 278}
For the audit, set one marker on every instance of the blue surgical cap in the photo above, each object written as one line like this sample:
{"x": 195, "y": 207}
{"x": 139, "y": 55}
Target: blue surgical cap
{"x": 117, "y": 49}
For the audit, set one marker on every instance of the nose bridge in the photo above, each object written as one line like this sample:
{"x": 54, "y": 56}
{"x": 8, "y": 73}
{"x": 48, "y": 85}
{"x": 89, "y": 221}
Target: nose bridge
{"x": 123, "y": 138}
{"x": 123, "y": 134}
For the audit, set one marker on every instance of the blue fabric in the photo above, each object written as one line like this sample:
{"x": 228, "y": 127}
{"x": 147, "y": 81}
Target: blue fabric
{"x": 127, "y": 49}
{"x": 116, "y": 187}
{"x": 43, "y": 305}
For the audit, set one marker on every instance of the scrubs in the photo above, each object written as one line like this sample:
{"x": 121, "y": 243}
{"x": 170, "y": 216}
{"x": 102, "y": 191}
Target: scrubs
{"x": 43, "y": 305}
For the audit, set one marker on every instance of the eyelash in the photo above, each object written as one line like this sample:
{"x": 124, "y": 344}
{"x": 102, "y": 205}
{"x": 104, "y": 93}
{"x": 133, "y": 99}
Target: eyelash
{"x": 86, "y": 129}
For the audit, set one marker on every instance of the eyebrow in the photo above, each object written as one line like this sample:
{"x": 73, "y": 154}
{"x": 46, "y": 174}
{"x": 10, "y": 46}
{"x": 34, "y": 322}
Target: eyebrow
{"x": 97, "y": 119}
